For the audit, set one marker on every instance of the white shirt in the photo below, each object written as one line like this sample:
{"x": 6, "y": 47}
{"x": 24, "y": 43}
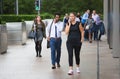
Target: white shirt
{"x": 96, "y": 18}
{"x": 59, "y": 26}
{"x": 77, "y": 19}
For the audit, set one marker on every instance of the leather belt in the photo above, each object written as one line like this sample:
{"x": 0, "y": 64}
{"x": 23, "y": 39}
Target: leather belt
{"x": 56, "y": 38}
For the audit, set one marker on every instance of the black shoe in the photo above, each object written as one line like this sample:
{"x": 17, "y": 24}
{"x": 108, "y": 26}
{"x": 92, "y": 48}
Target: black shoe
{"x": 90, "y": 41}
{"x": 53, "y": 67}
{"x": 40, "y": 55}
{"x": 58, "y": 65}
{"x": 36, "y": 55}
{"x": 99, "y": 40}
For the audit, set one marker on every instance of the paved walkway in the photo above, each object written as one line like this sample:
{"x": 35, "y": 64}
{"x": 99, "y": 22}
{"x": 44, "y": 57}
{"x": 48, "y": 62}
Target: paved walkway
{"x": 20, "y": 62}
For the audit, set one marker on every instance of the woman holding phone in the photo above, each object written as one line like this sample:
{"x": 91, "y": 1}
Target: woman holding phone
{"x": 75, "y": 33}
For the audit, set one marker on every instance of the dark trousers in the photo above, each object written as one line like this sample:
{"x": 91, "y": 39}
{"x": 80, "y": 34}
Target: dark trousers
{"x": 96, "y": 29}
{"x": 38, "y": 47}
{"x": 99, "y": 38}
{"x": 86, "y": 34}
{"x": 76, "y": 49}
{"x": 95, "y": 35}
{"x": 55, "y": 45}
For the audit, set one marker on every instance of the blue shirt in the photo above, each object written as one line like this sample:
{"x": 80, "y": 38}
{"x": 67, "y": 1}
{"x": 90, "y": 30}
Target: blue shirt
{"x": 85, "y": 17}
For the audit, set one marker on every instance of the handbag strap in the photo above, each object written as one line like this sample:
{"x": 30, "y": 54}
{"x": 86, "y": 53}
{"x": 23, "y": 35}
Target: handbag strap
{"x": 50, "y": 28}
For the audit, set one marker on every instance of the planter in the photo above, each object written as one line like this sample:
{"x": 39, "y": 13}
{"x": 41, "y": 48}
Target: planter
{"x": 16, "y": 33}
{"x": 3, "y": 39}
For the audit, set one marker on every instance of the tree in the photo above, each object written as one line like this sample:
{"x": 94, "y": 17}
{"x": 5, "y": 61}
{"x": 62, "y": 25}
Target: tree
{"x": 66, "y": 6}
{"x": 27, "y": 6}
{"x": 8, "y": 6}
{"x": 52, "y": 6}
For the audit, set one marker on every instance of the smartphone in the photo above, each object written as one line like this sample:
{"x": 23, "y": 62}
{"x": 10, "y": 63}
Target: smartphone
{"x": 69, "y": 21}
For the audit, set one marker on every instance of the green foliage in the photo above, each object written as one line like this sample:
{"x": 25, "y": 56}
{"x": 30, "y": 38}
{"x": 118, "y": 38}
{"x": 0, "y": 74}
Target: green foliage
{"x": 26, "y": 7}
{"x": 19, "y": 18}
{"x": 52, "y": 6}
{"x": 8, "y": 6}
{"x": 46, "y": 16}
{"x": 66, "y": 6}
{"x": 0, "y": 19}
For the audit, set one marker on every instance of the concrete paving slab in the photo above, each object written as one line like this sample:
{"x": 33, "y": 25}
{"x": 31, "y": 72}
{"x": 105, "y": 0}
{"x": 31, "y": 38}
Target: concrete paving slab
{"x": 20, "y": 62}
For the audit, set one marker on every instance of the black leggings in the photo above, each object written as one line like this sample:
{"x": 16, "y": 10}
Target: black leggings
{"x": 38, "y": 47}
{"x": 76, "y": 49}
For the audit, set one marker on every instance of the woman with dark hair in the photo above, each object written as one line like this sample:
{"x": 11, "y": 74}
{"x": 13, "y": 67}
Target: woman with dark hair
{"x": 75, "y": 33}
{"x": 39, "y": 30}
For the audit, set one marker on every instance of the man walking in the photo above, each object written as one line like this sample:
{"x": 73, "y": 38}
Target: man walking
{"x": 96, "y": 24}
{"x": 53, "y": 33}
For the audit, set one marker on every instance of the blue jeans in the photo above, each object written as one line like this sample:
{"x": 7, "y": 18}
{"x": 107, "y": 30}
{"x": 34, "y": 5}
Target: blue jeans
{"x": 55, "y": 45}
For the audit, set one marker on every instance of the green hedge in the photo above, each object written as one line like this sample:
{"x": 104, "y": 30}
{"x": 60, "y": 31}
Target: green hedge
{"x": 20, "y": 18}
{"x": 0, "y": 19}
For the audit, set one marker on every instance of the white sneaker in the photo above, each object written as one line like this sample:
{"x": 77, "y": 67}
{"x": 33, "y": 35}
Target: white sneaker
{"x": 70, "y": 72}
{"x": 78, "y": 70}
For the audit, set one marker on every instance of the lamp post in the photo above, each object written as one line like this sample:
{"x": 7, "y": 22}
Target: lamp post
{"x": 1, "y": 6}
{"x": 17, "y": 10}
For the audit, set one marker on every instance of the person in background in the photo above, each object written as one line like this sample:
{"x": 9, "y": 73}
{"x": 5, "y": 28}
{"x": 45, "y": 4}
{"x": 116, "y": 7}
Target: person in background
{"x": 101, "y": 28}
{"x": 65, "y": 20}
{"x": 78, "y": 16}
{"x": 96, "y": 24}
{"x": 85, "y": 17}
{"x": 77, "y": 19}
{"x": 89, "y": 27}
{"x": 75, "y": 33}
{"x": 39, "y": 30}
{"x": 55, "y": 40}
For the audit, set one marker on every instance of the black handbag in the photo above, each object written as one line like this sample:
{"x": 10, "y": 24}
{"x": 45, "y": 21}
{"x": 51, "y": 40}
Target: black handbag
{"x": 31, "y": 35}
{"x": 48, "y": 42}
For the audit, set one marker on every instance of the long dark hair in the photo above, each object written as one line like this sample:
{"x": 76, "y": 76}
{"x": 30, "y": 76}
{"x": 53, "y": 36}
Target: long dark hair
{"x": 42, "y": 23}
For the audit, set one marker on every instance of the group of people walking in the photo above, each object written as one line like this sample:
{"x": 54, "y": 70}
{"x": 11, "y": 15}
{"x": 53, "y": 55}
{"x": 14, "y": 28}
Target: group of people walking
{"x": 74, "y": 26}
{"x": 93, "y": 25}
